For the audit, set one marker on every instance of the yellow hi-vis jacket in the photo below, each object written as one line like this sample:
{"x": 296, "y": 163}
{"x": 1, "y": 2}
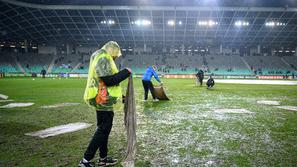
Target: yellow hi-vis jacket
{"x": 101, "y": 65}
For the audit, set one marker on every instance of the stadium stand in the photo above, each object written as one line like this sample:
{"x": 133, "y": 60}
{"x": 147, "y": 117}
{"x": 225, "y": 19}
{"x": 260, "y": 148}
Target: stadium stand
{"x": 33, "y": 62}
{"x": 232, "y": 65}
{"x": 7, "y": 63}
{"x": 268, "y": 65}
{"x": 166, "y": 63}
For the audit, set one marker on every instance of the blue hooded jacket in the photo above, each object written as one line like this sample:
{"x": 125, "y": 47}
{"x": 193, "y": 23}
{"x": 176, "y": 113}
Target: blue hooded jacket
{"x": 149, "y": 73}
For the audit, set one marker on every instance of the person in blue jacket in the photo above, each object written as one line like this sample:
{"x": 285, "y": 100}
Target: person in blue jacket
{"x": 146, "y": 81}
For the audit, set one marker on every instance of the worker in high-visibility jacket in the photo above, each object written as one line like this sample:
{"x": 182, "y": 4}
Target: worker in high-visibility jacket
{"x": 102, "y": 91}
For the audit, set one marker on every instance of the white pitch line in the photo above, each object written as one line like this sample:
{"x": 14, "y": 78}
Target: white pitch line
{"x": 61, "y": 129}
{"x": 262, "y": 82}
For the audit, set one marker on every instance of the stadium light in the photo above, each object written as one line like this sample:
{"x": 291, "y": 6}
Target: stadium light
{"x": 1, "y": 45}
{"x": 241, "y": 23}
{"x": 171, "y": 22}
{"x": 110, "y": 22}
{"x": 34, "y": 47}
{"x": 270, "y": 24}
{"x": 180, "y": 23}
{"x": 207, "y": 23}
{"x": 273, "y": 24}
{"x": 142, "y": 22}
{"x": 12, "y": 46}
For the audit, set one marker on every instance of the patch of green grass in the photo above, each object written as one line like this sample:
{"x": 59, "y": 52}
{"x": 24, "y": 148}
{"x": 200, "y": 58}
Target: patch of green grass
{"x": 181, "y": 132}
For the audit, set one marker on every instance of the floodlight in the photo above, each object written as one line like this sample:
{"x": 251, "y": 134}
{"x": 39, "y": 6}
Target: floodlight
{"x": 171, "y": 22}
{"x": 272, "y": 23}
{"x": 238, "y": 23}
{"x": 110, "y": 22}
{"x": 241, "y": 23}
{"x": 142, "y": 22}
{"x": 207, "y": 23}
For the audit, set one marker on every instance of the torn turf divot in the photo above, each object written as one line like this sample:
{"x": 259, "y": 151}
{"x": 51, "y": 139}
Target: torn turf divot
{"x": 13, "y": 105}
{"x": 268, "y": 102}
{"x": 60, "y": 105}
{"x": 3, "y": 96}
{"x": 61, "y": 129}
{"x": 292, "y": 108}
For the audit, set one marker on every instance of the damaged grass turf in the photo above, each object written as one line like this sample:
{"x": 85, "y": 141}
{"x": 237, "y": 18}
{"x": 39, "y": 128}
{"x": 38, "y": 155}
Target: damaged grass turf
{"x": 184, "y": 131}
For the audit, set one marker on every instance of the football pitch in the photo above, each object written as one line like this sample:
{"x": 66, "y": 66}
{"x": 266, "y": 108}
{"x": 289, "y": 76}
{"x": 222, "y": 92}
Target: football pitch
{"x": 188, "y": 130}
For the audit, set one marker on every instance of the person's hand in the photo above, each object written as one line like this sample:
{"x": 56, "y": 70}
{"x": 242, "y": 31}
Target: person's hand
{"x": 129, "y": 70}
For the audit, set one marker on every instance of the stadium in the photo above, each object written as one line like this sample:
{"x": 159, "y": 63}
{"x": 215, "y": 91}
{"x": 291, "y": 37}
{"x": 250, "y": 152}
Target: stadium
{"x": 249, "y": 48}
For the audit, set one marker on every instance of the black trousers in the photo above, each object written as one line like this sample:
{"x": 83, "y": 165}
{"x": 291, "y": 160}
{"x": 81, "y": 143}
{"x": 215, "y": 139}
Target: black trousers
{"x": 100, "y": 138}
{"x": 200, "y": 79}
{"x": 210, "y": 85}
{"x": 147, "y": 85}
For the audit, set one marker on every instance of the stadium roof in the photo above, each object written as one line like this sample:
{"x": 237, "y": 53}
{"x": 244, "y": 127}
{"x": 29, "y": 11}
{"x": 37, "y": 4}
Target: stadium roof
{"x": 251, "y": 3}
{"x": 133, "y": 23}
